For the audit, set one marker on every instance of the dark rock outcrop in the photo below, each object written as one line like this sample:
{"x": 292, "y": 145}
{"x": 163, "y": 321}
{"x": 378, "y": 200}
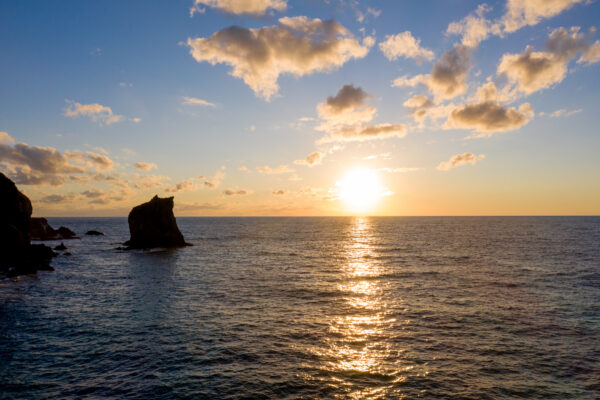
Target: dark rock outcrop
{"x": 94, "y": 233}
{"x": 40, "y": 229}
{"x": 153, "y": 224}
{"x": 60, "y": 247}
{"x": 17, "y": 255}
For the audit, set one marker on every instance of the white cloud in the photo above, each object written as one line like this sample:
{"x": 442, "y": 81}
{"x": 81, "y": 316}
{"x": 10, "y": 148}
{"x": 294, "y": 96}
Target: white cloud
{"x": 459, "y": 160}
{"x": 532, "y": 71}
{"x": 520, "y": 13}
{"x": 297, "y": 46}
{"x": 96, "y": 112}
{"x": 564, "y": 113}
{"x": 192, "y": 101}
{"x": 404, "y": 45}
{"x": 474, "y": 28}
{"x": 144, "y": 166}
{"x": 252, "y": 7}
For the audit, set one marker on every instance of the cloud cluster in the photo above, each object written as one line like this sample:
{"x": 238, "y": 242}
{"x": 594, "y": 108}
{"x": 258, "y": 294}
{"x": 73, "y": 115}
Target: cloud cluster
{"x": 35, "y": 165}
{"x": 346, "y": 117}
{"x": 475, "y": 28}
{"x": 297, "y": 46}
{"x": 96, "y": 112}
{"x": 312, "y": 159}
{"x": 404, "y": 44}
{"x": 251, "y": 7}
{"x": 236, "y": 192}
{"x": 459, "y": 160}
{"x": 488, "y": 117}
{"x": 448, "y": 78}
{"x": 531, "y": 71}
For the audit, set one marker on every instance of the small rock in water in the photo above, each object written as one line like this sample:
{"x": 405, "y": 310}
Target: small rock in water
{"x": 61, "y": 246}
{"x": 94, "y": 233}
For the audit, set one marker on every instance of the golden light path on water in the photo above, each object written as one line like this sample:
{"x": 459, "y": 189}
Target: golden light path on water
{"x": 365, "y": 360}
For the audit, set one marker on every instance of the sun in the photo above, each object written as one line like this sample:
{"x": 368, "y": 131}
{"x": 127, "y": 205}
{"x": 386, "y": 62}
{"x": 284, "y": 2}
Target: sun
{"x": 360, "y": 189}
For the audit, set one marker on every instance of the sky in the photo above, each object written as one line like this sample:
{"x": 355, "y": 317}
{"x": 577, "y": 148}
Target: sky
{"x": 302, "y": 107}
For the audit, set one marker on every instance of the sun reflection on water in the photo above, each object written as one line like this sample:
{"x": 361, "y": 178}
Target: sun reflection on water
{"x": 358, "y": 342}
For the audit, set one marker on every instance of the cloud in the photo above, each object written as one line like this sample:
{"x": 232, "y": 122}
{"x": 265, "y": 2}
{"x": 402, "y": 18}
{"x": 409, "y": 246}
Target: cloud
{"x": 592, "y": 54}
{"x": 192, "y": 101}
{"x": 521, "y": 13}
{"x": 187, "y": 185}
{"x": 144, "y": 166}
{"x": 96, "y": 112}
{"x": 346, "y": 117}
{"x": 347, "y": 107}
{"x": 144, "y": 182}
{"x": 488, "y": 117}
{"x": 459, "y": 160}
{"x": 251, "y": 7}
{"x": 362, "y": 133}
{"x": 532, "y": 71}
{"x": 243, "y": 168}
{"x": 474, "y": 28}
{"x": 564, "y": 113}
{"x": 383, "y": 156}
{"x": 215, "y": 181}
{"x": 101, "y": 161}
{"x": 311, "y": 160}
{"x": 33, "y": 165}
{"x": 236, "y": 192}
{"x": 297, "y": 46}
{"x": 404, "y": 45}
{"x": 282, "y": 169}
{"x": 448, "y": 78}
{"x": 418, "y": 106}
{"x": 93, "y": 193}
{"x": 279, "y": 192}
{"x": 56, "y": 198}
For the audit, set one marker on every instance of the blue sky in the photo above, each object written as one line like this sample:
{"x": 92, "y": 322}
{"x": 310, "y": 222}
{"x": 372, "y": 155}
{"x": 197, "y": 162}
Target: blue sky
{"x": 134, "y": 58}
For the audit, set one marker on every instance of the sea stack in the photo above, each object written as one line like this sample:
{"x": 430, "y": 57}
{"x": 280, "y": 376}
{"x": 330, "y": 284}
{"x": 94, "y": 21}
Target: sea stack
{"x": 17, "y": 255}
{"x": 153, "y": 224}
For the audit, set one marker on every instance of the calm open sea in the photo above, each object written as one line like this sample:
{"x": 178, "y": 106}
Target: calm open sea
{"x": 307, "y": 308}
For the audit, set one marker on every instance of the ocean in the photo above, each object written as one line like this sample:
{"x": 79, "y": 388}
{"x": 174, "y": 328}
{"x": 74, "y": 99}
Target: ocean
{"x": 312, "y": 308}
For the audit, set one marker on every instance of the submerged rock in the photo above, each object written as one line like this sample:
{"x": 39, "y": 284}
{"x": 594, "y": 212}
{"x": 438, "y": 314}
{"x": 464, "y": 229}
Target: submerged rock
{"x": 40, "y": 229}
{"x": 153, "y": 224}
{"x": 94, "y": 233}
{"x": 17, "y": 255}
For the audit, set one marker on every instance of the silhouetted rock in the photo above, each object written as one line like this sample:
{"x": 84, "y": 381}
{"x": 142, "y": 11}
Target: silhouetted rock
{"x": 66, "y": 233}
{"x": 17, "y": 255}
{"x": 153, "y": 224}
{"x": 94, "y": 233}
{"x": 40, "y": 229}
{"x": 60, "y": 247}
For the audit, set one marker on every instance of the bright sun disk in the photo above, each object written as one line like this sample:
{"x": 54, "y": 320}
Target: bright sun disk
{"x": 361, "y": 189}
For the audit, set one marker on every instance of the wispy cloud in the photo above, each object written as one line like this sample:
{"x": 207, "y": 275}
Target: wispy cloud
{"x": 192, "y": 101}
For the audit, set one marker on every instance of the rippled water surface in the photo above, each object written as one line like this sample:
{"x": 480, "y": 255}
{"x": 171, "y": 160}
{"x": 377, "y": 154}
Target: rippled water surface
{"x": 456, "y": 308}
